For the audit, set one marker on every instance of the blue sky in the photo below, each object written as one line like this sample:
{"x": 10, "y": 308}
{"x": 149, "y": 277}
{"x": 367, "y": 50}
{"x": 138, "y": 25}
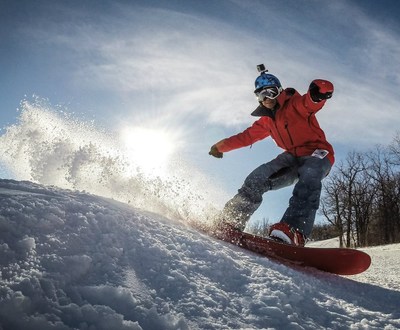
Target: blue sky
{"x": 187, "y": 68}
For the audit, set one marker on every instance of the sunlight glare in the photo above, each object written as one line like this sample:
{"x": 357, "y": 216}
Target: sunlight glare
{"x": 149, "y": 148}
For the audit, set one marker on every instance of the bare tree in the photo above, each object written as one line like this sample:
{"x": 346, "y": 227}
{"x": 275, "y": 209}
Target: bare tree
{"x": 340, "y": 198}
{"x": 386, "y": 179}
{"x": 259, "y": 228}
{"x": 364, "y": 200}
{"x": 332, "y": 204}
{"x": 361, "y": 197}
{"x": 394, "y": 149}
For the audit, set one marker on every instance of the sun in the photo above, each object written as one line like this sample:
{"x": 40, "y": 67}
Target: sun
{"x": 148, "y": 148}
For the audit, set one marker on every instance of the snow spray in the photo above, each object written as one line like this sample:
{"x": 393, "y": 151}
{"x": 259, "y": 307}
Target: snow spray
{"x": 52, "y": 147}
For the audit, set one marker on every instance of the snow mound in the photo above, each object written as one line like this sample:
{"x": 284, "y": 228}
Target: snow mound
{"x": 71, "y": 260}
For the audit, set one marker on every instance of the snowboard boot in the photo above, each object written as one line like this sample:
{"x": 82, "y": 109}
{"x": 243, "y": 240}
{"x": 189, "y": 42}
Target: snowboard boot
{"x": 283, "y": 232}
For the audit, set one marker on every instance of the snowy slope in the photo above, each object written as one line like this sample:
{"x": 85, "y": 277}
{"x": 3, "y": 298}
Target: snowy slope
{"x": 384, "y": 268}
{"x": 70, "y": 260}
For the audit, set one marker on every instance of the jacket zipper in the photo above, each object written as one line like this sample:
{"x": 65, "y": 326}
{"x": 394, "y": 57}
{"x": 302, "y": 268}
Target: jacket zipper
{"x": 288, "y": 132}
{"x": 280, "y": 135}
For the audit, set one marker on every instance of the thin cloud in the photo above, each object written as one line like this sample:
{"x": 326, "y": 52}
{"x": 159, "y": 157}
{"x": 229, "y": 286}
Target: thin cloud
{"x": 204, "y": 66}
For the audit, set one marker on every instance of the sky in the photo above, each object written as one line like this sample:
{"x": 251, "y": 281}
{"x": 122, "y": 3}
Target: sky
{"x": 174, "y": 77}
{"x": 78, "y": 261}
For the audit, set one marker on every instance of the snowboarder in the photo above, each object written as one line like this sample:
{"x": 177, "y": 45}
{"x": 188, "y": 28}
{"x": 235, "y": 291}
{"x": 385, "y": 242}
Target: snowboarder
{"x": 289, "y": 118}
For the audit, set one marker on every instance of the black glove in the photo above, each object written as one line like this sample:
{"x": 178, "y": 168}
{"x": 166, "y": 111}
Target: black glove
{"x": 320, "y": 90}
{"x": 215, "y": 152}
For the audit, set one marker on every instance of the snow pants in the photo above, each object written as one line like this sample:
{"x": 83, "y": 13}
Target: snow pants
{"x": 307, "y": 172}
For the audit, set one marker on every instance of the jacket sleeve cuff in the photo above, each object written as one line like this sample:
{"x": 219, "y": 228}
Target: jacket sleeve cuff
{"x": 310, "y": 104}
{"x": 221, "y": 146}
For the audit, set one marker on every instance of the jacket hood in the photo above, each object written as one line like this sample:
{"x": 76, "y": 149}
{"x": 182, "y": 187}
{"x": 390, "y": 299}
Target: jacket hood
{"x": 261, "y": 111}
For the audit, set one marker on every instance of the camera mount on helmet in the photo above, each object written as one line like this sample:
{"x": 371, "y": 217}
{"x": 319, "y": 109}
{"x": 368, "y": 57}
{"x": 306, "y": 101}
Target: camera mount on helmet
{"x": 261, "y": 68}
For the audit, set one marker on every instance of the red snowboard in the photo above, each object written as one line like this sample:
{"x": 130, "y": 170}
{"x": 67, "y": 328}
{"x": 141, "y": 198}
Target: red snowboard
{"x": 341, "y": 261}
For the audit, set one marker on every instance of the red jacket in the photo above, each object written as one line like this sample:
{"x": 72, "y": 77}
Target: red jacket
{"x": 293, "y": 126}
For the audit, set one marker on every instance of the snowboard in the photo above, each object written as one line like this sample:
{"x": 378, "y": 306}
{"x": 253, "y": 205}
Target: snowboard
{"x": 340, "y": 261}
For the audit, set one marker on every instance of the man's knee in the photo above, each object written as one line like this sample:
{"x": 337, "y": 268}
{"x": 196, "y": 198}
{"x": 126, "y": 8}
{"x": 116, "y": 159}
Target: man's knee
{"x": 315, "y": 169}
{"x": 250, "y": 193}
{"x": 256, "y": 183}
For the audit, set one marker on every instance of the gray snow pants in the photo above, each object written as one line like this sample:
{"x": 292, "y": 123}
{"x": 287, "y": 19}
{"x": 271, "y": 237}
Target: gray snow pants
{"x": 307, "y": 172}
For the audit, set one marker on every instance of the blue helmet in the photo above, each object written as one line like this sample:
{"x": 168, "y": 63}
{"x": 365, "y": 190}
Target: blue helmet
{"x": 266, "y": 80}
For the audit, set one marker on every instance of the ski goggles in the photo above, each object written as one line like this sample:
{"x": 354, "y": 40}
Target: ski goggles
{"x": 269, "y": 93}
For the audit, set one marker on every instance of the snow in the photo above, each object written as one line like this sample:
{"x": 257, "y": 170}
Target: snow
{"x": 71, "y": 260}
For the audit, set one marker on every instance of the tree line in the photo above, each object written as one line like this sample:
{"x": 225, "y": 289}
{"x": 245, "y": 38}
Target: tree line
{"x": 361, "y": 198}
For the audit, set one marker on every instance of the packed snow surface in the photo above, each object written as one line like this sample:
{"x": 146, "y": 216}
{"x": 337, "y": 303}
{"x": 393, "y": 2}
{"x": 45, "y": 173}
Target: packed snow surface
{"x": 71, "y": 260}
